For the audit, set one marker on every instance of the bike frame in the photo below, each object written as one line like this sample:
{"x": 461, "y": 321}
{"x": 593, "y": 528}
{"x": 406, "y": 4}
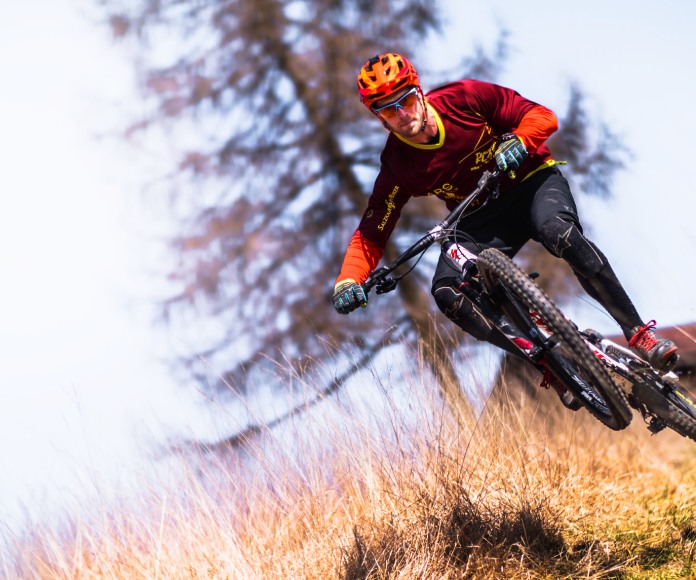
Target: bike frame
{"x": 621, "y": 361}
{"x": 380, "y": 279}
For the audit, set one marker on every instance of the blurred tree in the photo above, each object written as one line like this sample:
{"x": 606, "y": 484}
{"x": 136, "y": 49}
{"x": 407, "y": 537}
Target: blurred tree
{"x": 279, "y": 163}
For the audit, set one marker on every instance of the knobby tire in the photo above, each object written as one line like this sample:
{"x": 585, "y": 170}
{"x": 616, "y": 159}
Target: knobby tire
{"x": 612, "y": 408}
{"x": 673, "y": 405}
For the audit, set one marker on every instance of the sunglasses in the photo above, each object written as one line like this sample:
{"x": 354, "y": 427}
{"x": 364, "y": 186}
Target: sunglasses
{"x": 392, "y": 109}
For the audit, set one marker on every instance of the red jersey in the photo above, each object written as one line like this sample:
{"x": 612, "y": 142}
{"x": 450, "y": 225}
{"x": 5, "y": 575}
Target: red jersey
{"x": 471, "y": 116}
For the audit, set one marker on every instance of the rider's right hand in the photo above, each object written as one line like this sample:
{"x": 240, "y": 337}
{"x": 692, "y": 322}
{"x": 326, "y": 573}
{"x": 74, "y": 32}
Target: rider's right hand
{"x": 349, "y": 295}
{"x": 510, "y": 153}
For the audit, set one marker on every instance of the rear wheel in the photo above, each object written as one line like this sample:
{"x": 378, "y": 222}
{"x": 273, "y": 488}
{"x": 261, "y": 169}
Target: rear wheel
{"x": 669, "y": 403}
{"x": 567, "y": 356}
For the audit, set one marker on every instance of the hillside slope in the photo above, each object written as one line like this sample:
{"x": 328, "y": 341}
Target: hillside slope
{"x": 371, "y": 491}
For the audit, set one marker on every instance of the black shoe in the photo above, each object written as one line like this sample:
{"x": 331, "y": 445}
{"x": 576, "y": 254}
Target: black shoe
{"x": 661, "y": 353}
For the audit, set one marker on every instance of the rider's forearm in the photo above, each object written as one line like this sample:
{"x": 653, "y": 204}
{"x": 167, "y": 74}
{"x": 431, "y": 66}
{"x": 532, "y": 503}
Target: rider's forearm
{"x": 362, "y": 256}
{"x": 537, "y": 125}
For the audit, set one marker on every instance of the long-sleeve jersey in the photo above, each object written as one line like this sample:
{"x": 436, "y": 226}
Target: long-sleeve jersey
{"x": 471, "y": 116}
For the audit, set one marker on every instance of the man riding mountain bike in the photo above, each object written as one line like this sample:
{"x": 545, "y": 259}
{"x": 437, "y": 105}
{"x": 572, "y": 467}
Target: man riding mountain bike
{"x": 439, "y": 144}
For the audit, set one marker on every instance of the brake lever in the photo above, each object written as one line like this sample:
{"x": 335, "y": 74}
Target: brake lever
{"x": 386, "y": 285}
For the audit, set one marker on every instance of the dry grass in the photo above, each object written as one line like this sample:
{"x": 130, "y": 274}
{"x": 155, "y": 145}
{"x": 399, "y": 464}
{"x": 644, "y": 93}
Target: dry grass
{"x": 398, "y": 489}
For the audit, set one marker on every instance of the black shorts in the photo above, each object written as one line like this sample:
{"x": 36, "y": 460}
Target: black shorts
{"x": 511, "y": 220}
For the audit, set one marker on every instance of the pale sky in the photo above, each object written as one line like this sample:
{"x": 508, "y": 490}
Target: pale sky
{"x": 81, "y": 386}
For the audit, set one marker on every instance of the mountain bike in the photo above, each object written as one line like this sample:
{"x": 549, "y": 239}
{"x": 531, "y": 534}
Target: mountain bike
{"x": 607, "y": 379}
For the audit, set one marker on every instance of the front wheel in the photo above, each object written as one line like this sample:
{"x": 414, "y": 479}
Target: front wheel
{"x": 566, "y": 354}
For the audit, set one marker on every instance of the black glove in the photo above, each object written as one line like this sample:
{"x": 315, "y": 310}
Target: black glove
{"x": 348, "y": 295}
{"x": 510, "y": 153}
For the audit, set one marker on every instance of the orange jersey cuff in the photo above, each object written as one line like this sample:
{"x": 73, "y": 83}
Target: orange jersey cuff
{"x": 536, "y": 126}
{"x": 362, "y": 256}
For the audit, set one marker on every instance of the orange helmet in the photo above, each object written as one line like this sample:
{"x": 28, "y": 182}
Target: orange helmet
{"x": 383, "y": 75}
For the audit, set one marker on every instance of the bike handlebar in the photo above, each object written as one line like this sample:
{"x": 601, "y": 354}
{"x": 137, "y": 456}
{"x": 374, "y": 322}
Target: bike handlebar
{"x": 379, "y": 277}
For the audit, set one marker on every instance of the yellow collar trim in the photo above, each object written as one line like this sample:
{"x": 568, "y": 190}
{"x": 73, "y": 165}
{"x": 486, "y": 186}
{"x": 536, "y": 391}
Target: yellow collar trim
{"x": 440, "y": 131}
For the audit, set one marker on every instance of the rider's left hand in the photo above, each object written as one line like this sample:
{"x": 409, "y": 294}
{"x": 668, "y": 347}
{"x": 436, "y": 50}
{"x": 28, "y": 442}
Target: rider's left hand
{"x": 510, "y": 153}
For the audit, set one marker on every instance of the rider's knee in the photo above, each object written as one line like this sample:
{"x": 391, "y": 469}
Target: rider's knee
{"x": 459, "y": 309}
{"x": 565, "y": 240}
{"x": 449, "y": 298}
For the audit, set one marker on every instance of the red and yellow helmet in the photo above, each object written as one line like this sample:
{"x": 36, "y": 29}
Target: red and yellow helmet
{"x": 383, "y": 75}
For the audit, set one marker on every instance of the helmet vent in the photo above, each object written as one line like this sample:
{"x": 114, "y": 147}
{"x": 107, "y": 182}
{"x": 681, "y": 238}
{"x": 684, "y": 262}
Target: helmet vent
{"x": 373, "y": 61}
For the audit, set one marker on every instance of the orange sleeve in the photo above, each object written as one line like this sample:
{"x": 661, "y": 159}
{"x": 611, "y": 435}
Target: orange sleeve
{"x": 362, "y": 256}
{"x": 537, "y": 125}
